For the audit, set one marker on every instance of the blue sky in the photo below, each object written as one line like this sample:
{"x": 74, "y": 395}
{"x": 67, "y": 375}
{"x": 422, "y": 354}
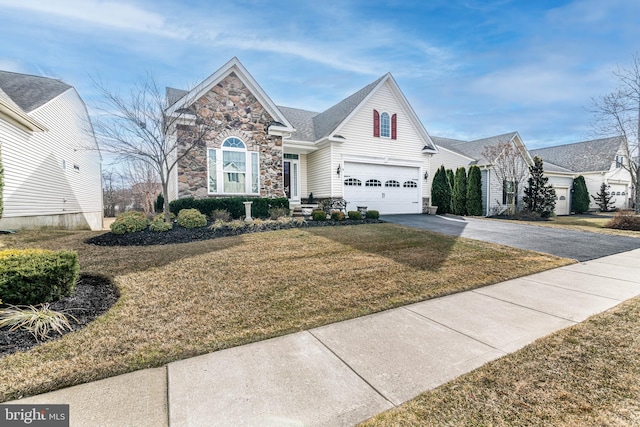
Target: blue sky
{"x": 470, "y": 68}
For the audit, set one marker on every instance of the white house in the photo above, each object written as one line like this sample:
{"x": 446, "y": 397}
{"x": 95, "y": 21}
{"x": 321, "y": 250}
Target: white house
{"x": 496, "y": 194}
{"x": 52, "y": 168}
{"x": 370, "y": 148}
{"x": 598, "y": 161}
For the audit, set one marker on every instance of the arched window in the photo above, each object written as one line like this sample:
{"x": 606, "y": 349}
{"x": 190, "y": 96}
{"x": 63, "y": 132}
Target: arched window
{"x": 353, "y": 181}
{"x": 392, "y": 183}
{"x": 373, "y": 183}
{"x": 385, "y": 125}
{"x": 233, "y": 166}
{"x": 410, "y": 184}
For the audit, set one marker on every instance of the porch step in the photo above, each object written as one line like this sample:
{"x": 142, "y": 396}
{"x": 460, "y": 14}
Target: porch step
{"x": 303, "y": 210}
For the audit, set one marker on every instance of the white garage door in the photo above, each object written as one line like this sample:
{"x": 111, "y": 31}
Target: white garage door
{"x": 388, "y": 189}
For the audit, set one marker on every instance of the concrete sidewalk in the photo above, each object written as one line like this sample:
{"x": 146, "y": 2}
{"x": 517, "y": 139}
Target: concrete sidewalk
{"x": 344, "y": 373}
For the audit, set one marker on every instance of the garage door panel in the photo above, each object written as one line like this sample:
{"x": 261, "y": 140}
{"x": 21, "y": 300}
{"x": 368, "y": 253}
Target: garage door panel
{"x": 388, "y": 189}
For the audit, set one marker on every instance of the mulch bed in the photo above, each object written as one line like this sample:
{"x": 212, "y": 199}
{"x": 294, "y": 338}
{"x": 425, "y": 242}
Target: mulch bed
{"x": 185, "y": 235}
{"x": 92, "y": 297}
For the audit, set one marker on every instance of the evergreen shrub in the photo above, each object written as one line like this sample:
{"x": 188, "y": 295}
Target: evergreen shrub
{"x": 129, "y": 222}
{"x": 35, "y": 276}
{"x": 191, "y": 218}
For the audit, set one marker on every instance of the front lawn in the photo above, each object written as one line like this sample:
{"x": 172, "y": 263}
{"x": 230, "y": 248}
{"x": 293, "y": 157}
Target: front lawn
{"x": 183, "y": 300}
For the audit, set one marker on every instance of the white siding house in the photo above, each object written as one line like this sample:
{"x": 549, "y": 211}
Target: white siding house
{"x": 369, "y": 149}
{"x": 52, "y": 168}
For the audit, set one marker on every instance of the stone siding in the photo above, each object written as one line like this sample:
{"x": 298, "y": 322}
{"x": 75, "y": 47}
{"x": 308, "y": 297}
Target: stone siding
{"x": 229, "y": 109}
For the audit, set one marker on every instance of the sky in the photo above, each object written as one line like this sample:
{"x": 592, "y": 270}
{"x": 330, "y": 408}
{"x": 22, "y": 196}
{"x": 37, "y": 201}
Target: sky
{"x": 470, "y": 68}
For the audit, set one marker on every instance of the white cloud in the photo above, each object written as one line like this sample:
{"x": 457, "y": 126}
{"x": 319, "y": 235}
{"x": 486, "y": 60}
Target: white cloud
{"x": 112, "y": 14}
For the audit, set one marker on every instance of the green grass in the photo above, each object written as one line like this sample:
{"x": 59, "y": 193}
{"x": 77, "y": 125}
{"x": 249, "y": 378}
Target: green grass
{"x": 183, "y": 300}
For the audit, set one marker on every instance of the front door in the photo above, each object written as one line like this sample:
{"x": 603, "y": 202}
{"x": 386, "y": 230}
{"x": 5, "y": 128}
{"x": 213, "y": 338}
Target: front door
{"x": 291, "y": 172}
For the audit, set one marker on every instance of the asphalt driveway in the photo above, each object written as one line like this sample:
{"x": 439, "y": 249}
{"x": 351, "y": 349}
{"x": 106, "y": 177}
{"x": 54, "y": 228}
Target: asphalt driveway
{"x": 580, "y": 245}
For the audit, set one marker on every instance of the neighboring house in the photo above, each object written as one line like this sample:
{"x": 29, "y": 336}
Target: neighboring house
{"x": 52, "y": 168}
{"x": 599, "y": 161}
{"x": 496, "y": 194}
{"x": 370, "y": 148}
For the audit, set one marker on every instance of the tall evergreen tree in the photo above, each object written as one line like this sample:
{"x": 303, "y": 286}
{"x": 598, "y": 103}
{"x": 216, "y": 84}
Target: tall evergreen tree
{"x": 450, "y": 179}
{"x": 474, "y": 191}
{"x": 441, "y": 191}
{"x": 580, "y": 200}
{"x": 460, "y": 192}
{"x": 603, "y": 198}
{"x": 539, "y": 196}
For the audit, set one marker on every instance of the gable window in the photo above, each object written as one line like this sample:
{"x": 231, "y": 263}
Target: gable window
{"x": 385, "y": 125}
{"x": 619, "y": 161}
{"x": 233, "y": 169}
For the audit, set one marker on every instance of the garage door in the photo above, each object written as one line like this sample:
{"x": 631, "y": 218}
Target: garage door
{"x": 388, "y": 189}
{"x": 562, "y": 201}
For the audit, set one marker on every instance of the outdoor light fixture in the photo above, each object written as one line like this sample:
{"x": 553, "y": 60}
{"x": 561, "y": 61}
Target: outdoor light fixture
{"x": 338, "y": 170}
{"x": 426, "y": 175}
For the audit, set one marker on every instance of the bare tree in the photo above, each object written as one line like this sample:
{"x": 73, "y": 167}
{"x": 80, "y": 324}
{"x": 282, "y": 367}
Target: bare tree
{"x": 144, "y": 184}
{"x": 510, "y": 167}
{"x": 136, "y": 129}
{"x": 618, "y": 113}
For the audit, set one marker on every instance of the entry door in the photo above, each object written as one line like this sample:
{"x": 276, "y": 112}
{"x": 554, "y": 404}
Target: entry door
{"x": 292, "y": 180}
{"x": 562, "y": 201}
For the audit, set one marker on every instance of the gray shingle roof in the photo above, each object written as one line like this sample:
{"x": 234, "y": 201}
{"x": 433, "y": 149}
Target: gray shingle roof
{"x": 173, "y": 95}
{"x": 587, "y": 156}
{"x": 473, "y": 149}
{"x": 30, "y": 92}
{"x": 302, "y": 121}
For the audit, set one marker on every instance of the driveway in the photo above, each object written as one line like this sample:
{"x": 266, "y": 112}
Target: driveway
{"x": 580, "y": 245}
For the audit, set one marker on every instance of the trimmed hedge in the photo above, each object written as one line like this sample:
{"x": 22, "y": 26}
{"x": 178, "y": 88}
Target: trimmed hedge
{"x": 191, "y": 218}
{"x": 319, "y": 215}
{"x": 36, "y": 276}
{"x": 372, "y": 214}
{"x": 354, "y": 215}
{"x": 234, "y": 205}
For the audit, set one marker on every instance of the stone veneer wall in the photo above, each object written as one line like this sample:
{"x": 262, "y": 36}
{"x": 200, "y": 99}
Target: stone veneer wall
{"x": 230, "y": 109}
{"x": 426, "y": 202}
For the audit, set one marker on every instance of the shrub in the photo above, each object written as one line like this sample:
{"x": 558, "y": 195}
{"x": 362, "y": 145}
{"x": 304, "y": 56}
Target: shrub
{"x": 441, "y": 191}
{"x": 191, "y": 218}
{"x": 354, "y": 215}
{"x": 160, "y": 226}
{"x": 160, "y": 217}
{"x": 234, "y": 205}
{"x": 318, "y": 215}
{"x": 372, "y": 214}
{"x": 129, "y": 222}
{"x": 624, "y": 220}
{"x": 34, "y": 276}
{"x": 39, "y": 322}
{"x": 460, "y": 192}
{"x": 220, "y": 214}
{"x": 275, "y": 213}
{"x": 337, "y": 215}
{"x": 158, "y": 205}
{"x": 474, "y": 191}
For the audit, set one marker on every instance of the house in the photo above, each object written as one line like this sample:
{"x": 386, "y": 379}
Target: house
{"x": 370, "y": 148}
{"x": 497, "y": 195}
{"x": 52, "y": 168}
{"x": 598, "y": 161}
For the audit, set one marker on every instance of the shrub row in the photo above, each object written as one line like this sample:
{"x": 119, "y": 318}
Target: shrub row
{"x": 320, "y": 215}
{"x": 234, "y": 205}
{"x": 35, "y": 276}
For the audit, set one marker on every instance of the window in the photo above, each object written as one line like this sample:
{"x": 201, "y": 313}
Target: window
{"x": 373, "y": 183}
{"x": 509, "y": 193}
{"x": 392, "y": 183}
{"x": 353, "y": 181}
{"x": 410, "y": 184}
{"x": 619, "y": 161}
{"x": 233, "y": 169}
{"x": 385, "y": 125}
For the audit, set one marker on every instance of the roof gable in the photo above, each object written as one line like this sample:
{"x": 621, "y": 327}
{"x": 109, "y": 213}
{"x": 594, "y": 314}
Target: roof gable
{"x": 186, "y": 98}
{"x": 30, "y": 92}
{"x": 586, "y": 156}
{"x": 475, "y": 149}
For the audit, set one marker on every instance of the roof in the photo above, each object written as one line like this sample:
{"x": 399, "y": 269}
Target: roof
{"x": 587, "y": 156}
{"x": 30, "y": 92}
{"x": 173, "y": 95}
{"x": 473, "y": 149}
